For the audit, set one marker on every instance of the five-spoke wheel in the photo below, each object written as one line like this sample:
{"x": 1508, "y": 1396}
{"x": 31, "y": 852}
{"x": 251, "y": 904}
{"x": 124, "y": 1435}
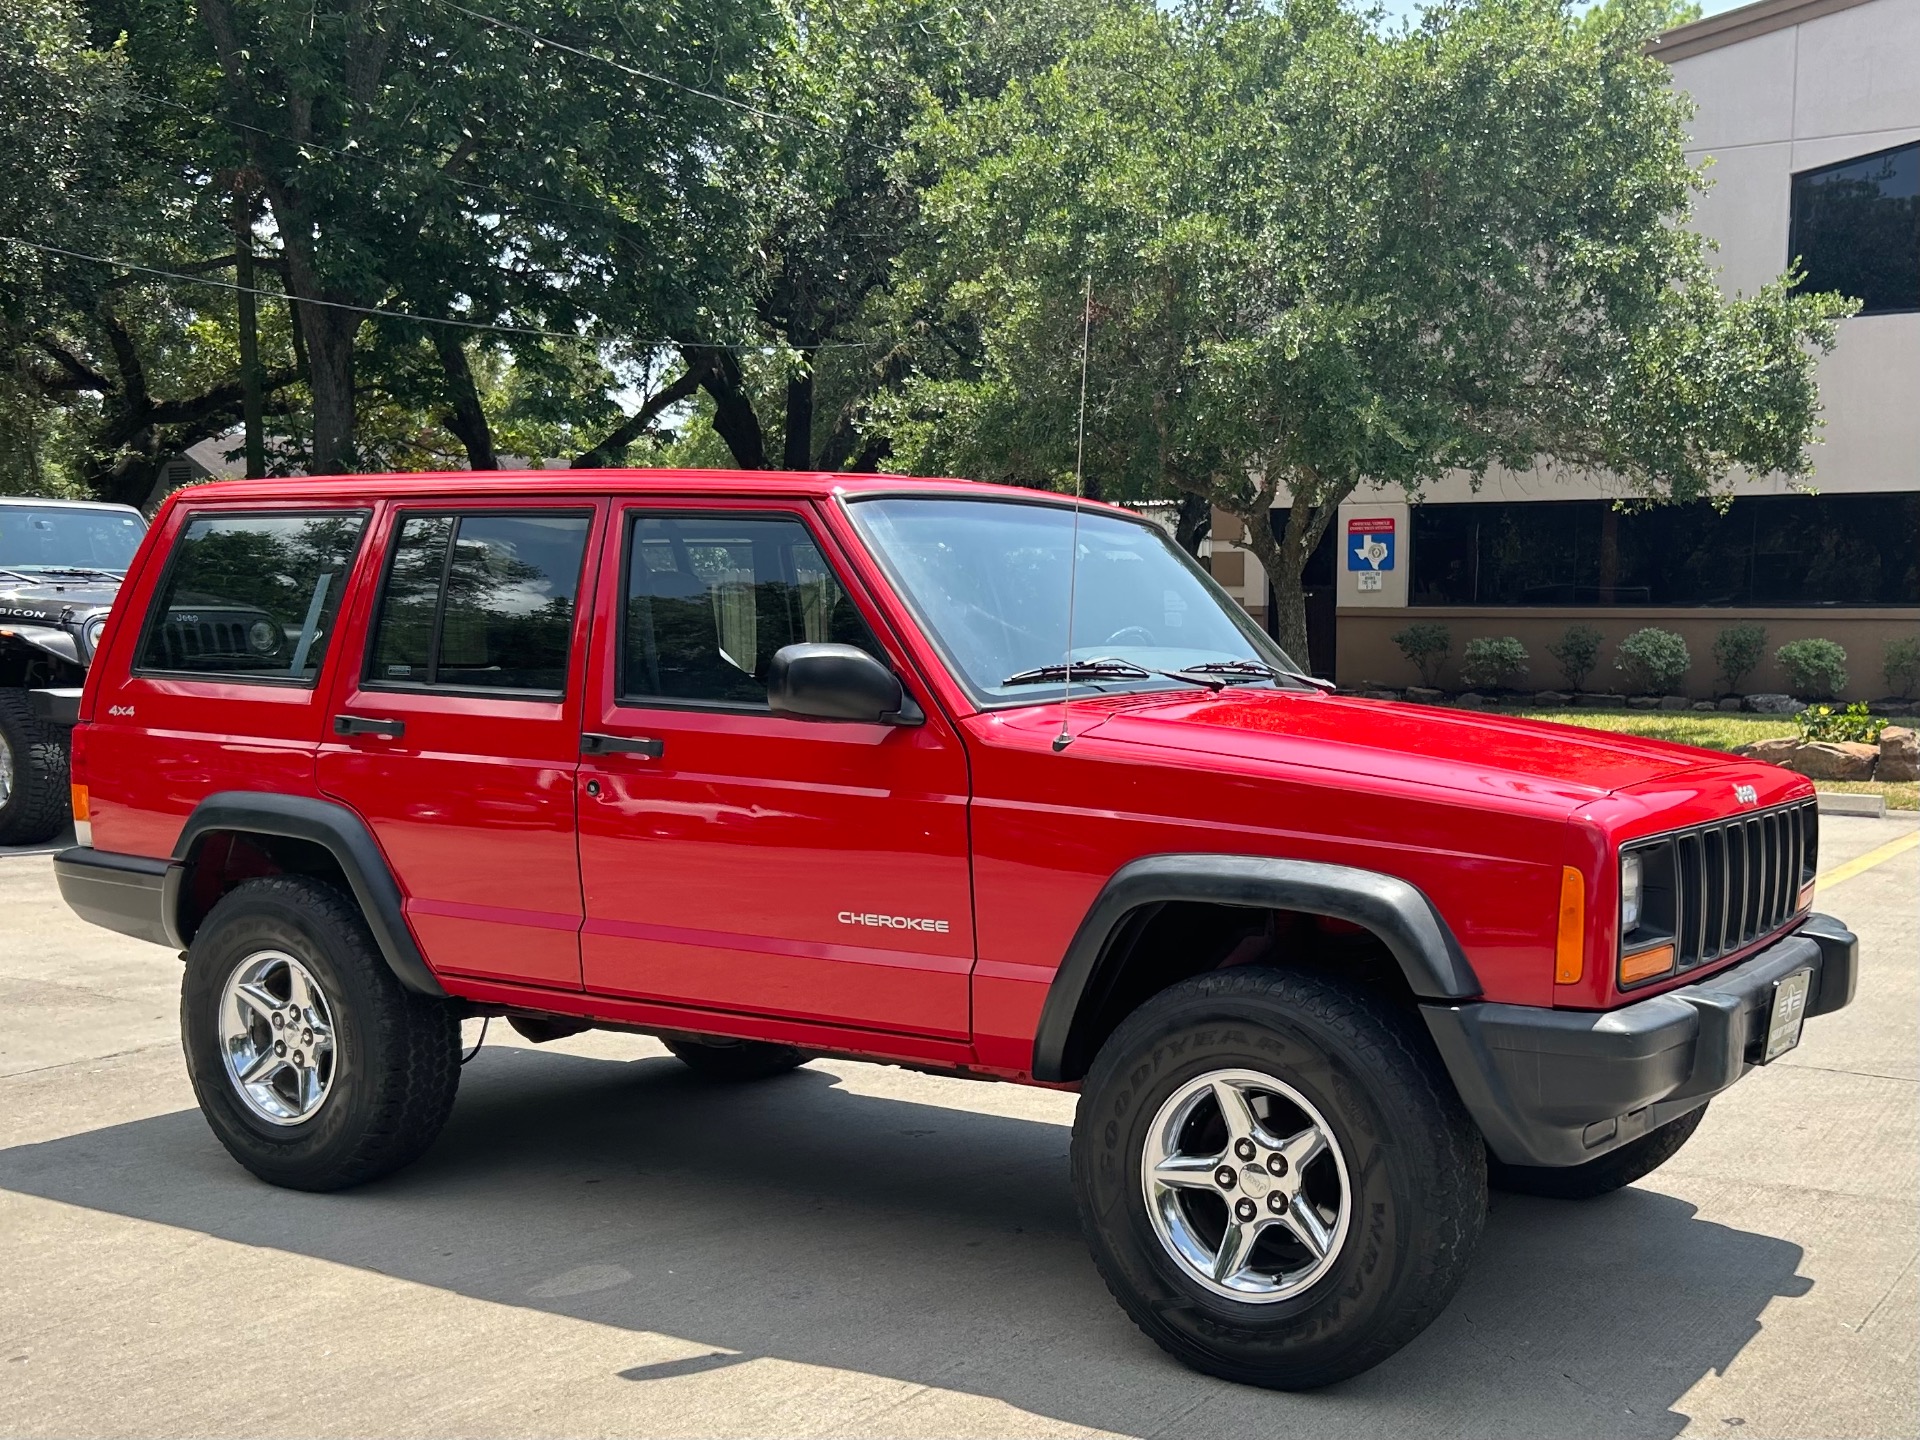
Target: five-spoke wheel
{"x": 276, "y": 1036}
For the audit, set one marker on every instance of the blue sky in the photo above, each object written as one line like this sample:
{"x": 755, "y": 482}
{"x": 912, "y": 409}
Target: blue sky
{"x": 1396, "y": 8}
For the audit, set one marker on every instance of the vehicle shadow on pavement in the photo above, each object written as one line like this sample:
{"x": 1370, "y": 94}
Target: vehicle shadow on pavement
{"x": 800, "y": 1220}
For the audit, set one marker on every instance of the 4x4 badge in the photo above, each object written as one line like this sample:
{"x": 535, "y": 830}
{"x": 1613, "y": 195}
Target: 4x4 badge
{"x": 1746, "y": 794}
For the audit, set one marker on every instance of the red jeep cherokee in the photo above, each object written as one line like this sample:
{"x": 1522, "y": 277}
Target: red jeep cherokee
{"x": 779, "y": 765}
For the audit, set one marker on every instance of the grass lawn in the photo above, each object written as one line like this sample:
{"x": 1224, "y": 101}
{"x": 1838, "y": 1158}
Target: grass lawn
{"x": 1720, "y": 730}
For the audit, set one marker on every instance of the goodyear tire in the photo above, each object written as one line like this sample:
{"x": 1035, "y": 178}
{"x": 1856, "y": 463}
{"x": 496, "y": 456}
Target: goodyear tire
{"x": 313, "y": 1065}
{"x": 1276, "y": 1178}
{"x": 33, "y": 773}
{"x": 1604, "y": 1175}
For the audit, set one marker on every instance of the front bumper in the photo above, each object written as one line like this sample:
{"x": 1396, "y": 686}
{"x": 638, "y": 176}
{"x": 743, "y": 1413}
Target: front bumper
{"x": 1559, "y": 1087}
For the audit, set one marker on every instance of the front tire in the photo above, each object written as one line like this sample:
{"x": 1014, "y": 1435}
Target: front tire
{"x": 313, "y": 1065}
{"x": 33, "y": 773}
{"x": 1297, "y": 1234}
{"x": 1604, "y": 1175}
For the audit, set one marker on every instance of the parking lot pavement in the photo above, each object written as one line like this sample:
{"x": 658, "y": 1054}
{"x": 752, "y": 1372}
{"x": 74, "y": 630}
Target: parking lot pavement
{"x": 599, "y": 1245}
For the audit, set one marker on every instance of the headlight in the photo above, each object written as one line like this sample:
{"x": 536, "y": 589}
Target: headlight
{"x": 263, "y": 637}
{"x": 94, "y": 629}
{"x": 1629, "y": 893}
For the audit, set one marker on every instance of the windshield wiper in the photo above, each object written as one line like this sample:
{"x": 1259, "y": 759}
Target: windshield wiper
{"x": 1239, "y": 672}
{"x": 1104, "y": 669}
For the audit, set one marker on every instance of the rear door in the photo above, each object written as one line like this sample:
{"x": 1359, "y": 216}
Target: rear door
{"x": 456, "y": 734}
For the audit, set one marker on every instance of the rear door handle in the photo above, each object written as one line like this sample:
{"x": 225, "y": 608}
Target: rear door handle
{"x": 646, "y": 745}
{"x": 362, "y": 725}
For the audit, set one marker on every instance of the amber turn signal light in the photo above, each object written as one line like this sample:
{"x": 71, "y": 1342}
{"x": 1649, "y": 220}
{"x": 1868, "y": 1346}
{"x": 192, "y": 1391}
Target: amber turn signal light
{"x": 1645, "y": 964}
{"x": 1570, "y": 941}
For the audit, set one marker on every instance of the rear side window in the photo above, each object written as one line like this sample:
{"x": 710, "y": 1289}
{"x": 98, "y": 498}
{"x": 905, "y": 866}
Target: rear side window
{"x": 480, "y": 602}
{"x": 711, "y": 598}
{"x": 252, "y": 597}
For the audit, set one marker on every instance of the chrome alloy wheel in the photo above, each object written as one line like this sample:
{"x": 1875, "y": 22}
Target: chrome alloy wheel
{"x": 276, "y": 1037}
{"x": 6, "y": 771}
{"x": 1246, "y": 1186}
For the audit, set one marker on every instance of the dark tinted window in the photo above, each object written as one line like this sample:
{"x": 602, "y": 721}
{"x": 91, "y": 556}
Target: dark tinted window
{"x": 1764, "y": 550}
{"x": 480, "y": 602}
{"x": 66, "y": 537}
{"x": 1856, "y": 229}
{"x": 711, "y": 598}
{"x": 252, "y": 596}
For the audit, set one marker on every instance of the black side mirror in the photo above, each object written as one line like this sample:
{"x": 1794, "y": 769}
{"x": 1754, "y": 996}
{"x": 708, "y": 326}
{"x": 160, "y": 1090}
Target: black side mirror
{"x": 837, "y": 682}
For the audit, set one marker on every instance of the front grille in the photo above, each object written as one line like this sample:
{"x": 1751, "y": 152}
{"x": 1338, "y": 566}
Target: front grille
{"x": 1735, "y": 880}
{"x": 185, "y": 641}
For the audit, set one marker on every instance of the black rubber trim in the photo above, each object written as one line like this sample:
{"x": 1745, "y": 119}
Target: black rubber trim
{"x": 345, "y": 835}
{"x": 1392, "y": 909}
{"x": 1559, "y": 1087}
{"x": 125, "y": 893}
{"x": 56, "y": 706}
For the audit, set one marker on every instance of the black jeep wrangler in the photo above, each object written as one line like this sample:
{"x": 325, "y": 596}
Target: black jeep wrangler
{"x": 61, "y": 563}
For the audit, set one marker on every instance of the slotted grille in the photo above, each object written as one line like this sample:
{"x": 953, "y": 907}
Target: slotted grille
{"x": 198, "y": 639}
{"x": 1737, "y": 880}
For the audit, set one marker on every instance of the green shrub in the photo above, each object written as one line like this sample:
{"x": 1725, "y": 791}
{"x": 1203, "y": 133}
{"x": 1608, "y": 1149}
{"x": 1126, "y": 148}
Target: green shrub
{"x": 1823, "y": 722}
{"x": 1902, "y": 666}
{"x": 1816, "y": 669}
{"x": 1427, "y": 645}
{"x": 1654, "y": 660}
{"x": 1578, "y": 651}
{"x": 1493, "y": 662}
{"x": 1738, "y": 650}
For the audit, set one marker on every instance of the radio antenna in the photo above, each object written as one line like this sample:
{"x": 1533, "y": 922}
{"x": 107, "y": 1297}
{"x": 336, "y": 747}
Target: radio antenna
{"x": 1065, "y": 737}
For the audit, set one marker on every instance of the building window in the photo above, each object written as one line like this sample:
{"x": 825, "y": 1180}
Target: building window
{"x": 1856, "y": 229}
{"x": 1788, "y": 550}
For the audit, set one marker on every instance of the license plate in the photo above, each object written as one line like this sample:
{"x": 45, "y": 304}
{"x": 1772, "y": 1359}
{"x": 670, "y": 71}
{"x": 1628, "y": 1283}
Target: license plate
{"x": 1788, "y": 1013}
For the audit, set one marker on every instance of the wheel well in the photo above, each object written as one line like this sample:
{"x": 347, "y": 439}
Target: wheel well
{"x": 1160, "y": 945}
{"x": 222, "y": 859}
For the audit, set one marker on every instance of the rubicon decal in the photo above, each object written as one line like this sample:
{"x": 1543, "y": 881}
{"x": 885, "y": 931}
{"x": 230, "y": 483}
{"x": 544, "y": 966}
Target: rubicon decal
{"x": 895, "y": 922}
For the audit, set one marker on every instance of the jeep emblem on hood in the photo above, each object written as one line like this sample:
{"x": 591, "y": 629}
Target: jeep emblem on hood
{"x": 1746, "y": 794}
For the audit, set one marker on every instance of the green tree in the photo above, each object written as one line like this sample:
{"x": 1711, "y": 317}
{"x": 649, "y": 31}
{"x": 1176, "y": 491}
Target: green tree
{"x": 1321, "y": 256}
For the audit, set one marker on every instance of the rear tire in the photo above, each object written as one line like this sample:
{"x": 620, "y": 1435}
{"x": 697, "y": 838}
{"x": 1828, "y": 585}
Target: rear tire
{"x": 735, "y": 1060}
{"x": 33, "y": 773}
{"x": 1351, "y": 1113}
{"x": 389, "y": 1058}
{"x": 1610, "y": 1172}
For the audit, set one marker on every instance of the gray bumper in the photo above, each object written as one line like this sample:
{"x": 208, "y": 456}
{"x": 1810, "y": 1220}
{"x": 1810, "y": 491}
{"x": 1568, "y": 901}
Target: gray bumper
{"x": 61, "y": 707}
{"x": 1559, "y": 1087}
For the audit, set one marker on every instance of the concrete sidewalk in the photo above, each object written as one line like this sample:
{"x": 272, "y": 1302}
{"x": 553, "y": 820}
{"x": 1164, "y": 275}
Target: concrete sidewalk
{"x": 601, "y": 1245}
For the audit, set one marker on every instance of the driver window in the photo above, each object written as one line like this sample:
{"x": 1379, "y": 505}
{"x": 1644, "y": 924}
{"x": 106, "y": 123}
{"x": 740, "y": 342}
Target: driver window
{"x": 710, "y": 598}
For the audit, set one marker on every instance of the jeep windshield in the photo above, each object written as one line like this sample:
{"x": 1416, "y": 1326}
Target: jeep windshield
{"x": 54, "y": 540}
{"x": 988, "y": 580}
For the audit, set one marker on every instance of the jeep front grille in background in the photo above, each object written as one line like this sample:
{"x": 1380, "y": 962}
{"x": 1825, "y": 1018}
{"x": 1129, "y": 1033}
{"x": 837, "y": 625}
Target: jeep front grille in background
{"x": 1717, "y": 888}
{"x": 184, "y": 640}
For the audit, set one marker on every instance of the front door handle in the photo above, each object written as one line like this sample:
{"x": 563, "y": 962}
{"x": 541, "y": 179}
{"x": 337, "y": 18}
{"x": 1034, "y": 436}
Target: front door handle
{"x": 645, "y": 745}
{"x": 363, "y": 725}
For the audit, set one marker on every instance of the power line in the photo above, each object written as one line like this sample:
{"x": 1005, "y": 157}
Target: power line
{"x": 407, "y": 315}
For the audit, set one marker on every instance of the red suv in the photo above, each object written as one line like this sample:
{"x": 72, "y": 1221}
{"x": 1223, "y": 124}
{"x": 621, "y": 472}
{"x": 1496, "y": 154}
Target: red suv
{"x": 964, "y": 778}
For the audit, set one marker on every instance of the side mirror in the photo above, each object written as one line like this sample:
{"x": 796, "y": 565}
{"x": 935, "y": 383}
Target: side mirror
{"x": 837, "y": 682}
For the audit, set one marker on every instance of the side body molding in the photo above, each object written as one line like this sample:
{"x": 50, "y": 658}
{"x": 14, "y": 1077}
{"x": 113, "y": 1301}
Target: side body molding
{"x": 337, "y": 829}
{"x": 1403, "y": 918}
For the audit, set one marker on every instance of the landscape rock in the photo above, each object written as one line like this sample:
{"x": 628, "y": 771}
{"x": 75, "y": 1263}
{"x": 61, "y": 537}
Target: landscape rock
{"x": 1774, "y": 705}
{"x": 1846, "y": 760}
{"x": 1774, "y": 752}
{"x": 1470, "y": 701}
{"x": 1591, "y": 701}
{"x": 1643, "y": 702}
{"x": 1673, "y": 702}
{"x": 1899, "y": 754}
{"x": 1707, "y": 705}
{"x": 1421, "y": 695}
{"x": 1553, "y": 698}
{"x": 1379, "y": 694}
{"x": 1730, "y": 702}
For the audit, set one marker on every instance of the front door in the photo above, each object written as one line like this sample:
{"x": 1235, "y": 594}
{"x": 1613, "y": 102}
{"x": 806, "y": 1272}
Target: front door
{"x": 740, "y": 861}
{"x": 456, "y": 737}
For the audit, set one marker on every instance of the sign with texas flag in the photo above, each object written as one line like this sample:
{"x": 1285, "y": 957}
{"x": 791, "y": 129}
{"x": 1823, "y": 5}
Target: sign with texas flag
{"x": 1370, "y": 543}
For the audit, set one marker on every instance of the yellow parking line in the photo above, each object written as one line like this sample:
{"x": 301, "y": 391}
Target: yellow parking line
{"x": 1867, "y": 861}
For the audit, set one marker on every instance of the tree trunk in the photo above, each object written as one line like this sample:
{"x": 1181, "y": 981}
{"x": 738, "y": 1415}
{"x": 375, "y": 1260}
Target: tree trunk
{"x": 734, "y": 420}
{"x": 1284, "y": 558}
{"x": 613, "y": 445}
{"x": 1192, "y": 522}
{"x": 798, "y": 450}
{"x": 466, "y": 417}
{"x": 329, "y": 335}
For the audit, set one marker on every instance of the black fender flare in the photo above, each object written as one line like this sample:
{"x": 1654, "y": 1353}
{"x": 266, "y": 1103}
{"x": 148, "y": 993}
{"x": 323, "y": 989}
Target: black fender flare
{"x": 333, "y": 827}
{"x": 1396, "y": 911}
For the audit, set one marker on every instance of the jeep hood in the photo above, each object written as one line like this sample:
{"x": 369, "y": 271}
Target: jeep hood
{"x": 1418, "y": 744}
{"x": 51, "y": 602}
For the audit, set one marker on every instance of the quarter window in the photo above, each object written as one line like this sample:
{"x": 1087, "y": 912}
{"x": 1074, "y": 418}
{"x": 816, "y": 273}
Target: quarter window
{"x": 1856, "y": 229}
{"x": 480, "y": 602}
{"x": 252, "y": 597}
{"x": 711, "y": 598}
